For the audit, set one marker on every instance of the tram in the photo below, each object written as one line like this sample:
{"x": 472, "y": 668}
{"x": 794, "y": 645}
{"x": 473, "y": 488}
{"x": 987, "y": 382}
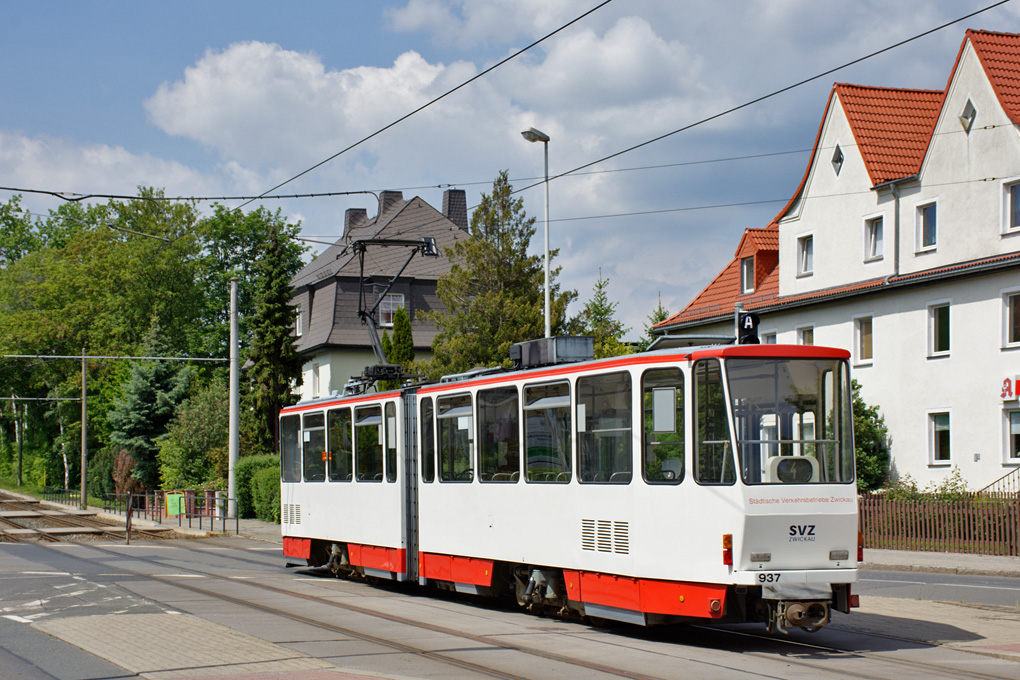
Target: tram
{"x": 710, "y": 483}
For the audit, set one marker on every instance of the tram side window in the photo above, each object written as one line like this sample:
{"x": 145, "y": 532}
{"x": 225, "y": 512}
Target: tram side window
{"x": 428, "y": 441}
{"x": 368, "y": 450}
{"x": 339, "y": 439}
{"x": 454, "y": 414}
{"x": 604, "y": 429}
{"x": 547, "y": 433}
{"x": 713, "y": 459}
{"x": 391, "y": 442}
{"x": 499, "y": 448}
{"x": 313, "y": 448}
{"x": 662, "y": 442}
{"x": 290, "y": 451}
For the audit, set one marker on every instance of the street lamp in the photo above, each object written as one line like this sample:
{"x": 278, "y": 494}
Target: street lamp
{"x": 533, "y": 135}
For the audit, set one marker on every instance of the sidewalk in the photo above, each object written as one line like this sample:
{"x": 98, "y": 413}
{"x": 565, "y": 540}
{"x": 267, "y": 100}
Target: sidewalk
{"x": 941, "y": 563}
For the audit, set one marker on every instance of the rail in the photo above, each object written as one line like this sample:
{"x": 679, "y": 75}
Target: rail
{"x": 1007, "y": 486}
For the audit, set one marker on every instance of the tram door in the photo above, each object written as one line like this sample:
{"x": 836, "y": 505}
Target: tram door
{"x": 410, "y": 490}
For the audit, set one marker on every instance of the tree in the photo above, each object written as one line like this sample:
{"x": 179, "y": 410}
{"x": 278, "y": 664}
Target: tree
{"x": 598, "y": 319}
{"x": 144, "y": 411}
{"x": 871, "y": 438}
{"x": 493, "y": 293}
{"x": 658, "y": 315}
{"x": 193, "y": 452}
{"x": 275, "y": 363}
{"x": 232, "y": 243}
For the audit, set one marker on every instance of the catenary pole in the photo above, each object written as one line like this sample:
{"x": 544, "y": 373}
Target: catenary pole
{"x": 233, "y": 441}
{"x": 84, "y": 434}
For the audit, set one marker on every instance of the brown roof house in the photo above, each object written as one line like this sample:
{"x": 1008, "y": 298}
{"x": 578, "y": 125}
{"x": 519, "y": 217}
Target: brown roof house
{"x": 902, "y": 245}
{"x": 331, "y": 337}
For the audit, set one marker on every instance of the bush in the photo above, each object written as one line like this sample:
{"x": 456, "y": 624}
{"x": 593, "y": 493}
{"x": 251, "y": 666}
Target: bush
{"x": 265, "y": 486}
{"x": 244, "y": 473}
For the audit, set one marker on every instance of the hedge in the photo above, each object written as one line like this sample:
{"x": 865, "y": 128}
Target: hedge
{"x": 244, "y": 473}
{"x": 265, "y": 485}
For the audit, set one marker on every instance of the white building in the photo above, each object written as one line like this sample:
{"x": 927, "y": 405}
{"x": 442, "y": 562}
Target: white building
{"x": 902, "y": 244}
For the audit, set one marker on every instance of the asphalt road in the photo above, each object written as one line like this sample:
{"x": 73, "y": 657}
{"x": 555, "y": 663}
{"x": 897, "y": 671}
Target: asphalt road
{"x": 227, "y": 591}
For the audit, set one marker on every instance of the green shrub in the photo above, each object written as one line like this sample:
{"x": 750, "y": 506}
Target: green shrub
{"x": 244, "y": 472}
{"x": 265, "y": 487}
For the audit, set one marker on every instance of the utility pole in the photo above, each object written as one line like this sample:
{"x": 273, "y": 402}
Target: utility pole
{"x": 234, "y": 426}
{"x": 84, "y": 434}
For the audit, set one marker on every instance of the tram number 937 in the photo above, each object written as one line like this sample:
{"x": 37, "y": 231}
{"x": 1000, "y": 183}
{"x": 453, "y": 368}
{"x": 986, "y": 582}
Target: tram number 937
{"x": 768, "y": 577}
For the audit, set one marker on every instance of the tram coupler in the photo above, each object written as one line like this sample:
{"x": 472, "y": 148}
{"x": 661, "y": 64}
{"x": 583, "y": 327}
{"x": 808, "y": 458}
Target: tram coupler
{"x": 811, "y": 616}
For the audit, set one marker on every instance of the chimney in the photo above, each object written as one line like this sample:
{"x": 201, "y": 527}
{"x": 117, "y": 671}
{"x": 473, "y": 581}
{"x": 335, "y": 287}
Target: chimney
{"x": 455, "y": 207}
{"x": 389, "y": 199}
{"x": 354, "y": 218}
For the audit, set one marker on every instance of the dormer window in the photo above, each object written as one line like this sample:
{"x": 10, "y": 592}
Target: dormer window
{"x": 747, "y": 275}
{"x": 837, "y": 159}
{"x": 968, "y": 116}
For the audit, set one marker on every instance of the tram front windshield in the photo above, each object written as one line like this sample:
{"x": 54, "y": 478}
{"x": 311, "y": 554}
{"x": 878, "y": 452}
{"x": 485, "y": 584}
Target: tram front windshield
{"x": 793, "y": 420}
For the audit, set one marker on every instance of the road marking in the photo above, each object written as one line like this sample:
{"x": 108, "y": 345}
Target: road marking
{"x": 925, "y": 583}
{"x": 19, "y": 619}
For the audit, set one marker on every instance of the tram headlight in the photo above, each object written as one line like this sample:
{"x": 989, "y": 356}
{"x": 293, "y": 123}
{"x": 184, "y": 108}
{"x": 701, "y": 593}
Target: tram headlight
{"x": 727, "y": 549}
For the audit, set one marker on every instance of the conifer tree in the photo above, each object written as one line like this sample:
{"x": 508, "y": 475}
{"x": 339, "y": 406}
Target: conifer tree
{"x": 493, "y": 293}
{"x": 275, "y": 366}
{"x": 598, "y": 319}
{"x": 658, "y": 315}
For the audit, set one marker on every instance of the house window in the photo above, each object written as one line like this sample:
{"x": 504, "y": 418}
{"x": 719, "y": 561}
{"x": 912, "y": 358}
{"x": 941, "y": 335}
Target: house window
{"x": 837, "y": 159}
{"x": 768, "y": 338}
{"x": 1011, "y": 197}
{"x": 926, "y": 227}
{"x": 315, "y": 381}
{"x": 862, "y": 329}
{"x": 806, "y": 335}
{"x": 873, "y": 246}
{"x": 805, "y": 255}
{"x": 1012, "y": 320}
{"x": 938, "y": 427}
{"x": 1013, "y": 418}
{"x": 388, "y": 307}
{"x": 747, "y": 275}
{"x": 298, "y": 322}
{"x": 938, "y": 316}
{"x": 968, "y": 116}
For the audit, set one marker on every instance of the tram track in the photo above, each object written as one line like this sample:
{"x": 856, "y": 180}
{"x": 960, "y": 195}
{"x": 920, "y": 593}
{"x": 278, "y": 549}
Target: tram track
{"x": 27, "y": 520}
{"x": 904, "y": 668}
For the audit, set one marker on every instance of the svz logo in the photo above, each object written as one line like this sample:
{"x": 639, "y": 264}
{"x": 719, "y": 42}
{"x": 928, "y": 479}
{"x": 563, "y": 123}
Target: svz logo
{"x": 802, "y": 533}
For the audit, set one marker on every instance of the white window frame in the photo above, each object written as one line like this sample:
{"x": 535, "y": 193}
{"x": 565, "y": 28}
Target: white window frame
{"x": 838, "y": 159}
{"x": 315, "y": 381}
{"x": 1009, "y": 294}
{"x": 967, "y": 119}
{"x": 869, "y": 245}
{"x": 1010, "y": 186}
{"x": 919, "y": 211}
{"x": 747, "y": 275}
{"x": 859, "y": 358}
{"x": 805, "y": 256}
{"x": 388, "y": 307}
{"x": 930, "y": 417}
{"x": 1011, "y": 450}
{"x": 769, "y": 337}
{"x": 801, "y": 331}
{"x": 298, "y": 325}
{"x": 930, "y": 320}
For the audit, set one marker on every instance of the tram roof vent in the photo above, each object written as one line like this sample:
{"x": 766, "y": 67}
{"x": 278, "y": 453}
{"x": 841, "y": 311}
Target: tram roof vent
{"x": 562, "y": 349}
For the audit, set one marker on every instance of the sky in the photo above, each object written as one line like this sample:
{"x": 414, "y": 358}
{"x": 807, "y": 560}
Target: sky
{"x": 231, "y": 98}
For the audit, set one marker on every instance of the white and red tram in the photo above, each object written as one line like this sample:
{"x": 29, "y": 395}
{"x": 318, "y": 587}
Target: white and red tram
{"x": 705, "y": 483}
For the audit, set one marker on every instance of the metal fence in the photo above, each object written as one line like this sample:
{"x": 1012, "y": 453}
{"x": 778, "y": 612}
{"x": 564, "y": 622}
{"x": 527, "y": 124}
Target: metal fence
{"x": 979, "y": 525}
{"x": 198, "y": 509}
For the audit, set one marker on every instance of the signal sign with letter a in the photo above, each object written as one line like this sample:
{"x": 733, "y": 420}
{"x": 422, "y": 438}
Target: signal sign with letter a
{"x": 748, "y": 322}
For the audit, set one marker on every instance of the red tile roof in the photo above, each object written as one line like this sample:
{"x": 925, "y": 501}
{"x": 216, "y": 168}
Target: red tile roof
{"x": 892, "y": 127}
{"x": 1000, "y": 56}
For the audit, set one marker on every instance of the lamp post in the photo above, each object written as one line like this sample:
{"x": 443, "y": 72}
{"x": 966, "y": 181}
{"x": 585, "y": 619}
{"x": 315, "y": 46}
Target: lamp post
{"x": 533, "y": 135}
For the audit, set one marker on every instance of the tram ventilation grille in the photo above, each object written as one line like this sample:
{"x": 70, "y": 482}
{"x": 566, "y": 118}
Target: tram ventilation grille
{"x": 291, "y": 513}
{"x": 603, "y": 535}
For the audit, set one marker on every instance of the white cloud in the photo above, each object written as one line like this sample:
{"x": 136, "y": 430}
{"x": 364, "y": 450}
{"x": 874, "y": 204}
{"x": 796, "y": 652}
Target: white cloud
{"x": 63, "y": 165}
